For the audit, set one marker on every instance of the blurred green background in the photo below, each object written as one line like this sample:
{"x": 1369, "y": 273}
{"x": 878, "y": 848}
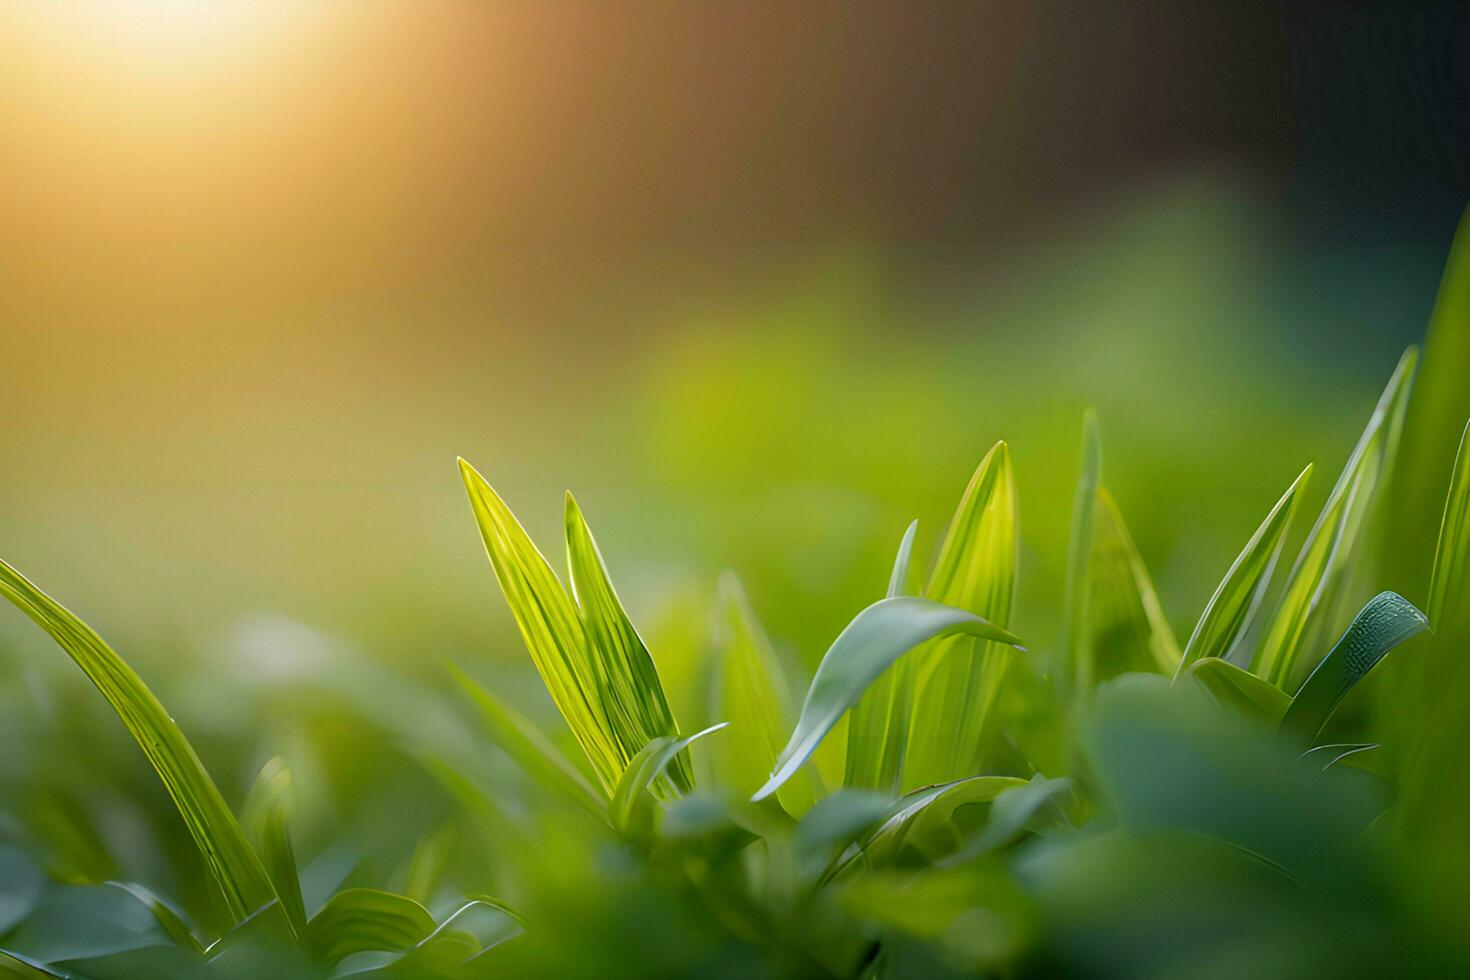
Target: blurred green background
{"x": 760, "y": 284}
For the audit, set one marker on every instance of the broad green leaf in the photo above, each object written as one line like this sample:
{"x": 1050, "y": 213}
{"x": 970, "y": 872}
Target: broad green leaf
{"x": 264, "y": 814}
{"x": 1449, "y": 586}
{"x": 1229, "y": 611}
{"x": 834, "y": 823}
{"x": 1386, "y": 621}
{"x": 750, "y": 692}
{"x": 877, "y": 732}
{"x": 1128, "y": 629}
{"x": 475, "y": 927}
{"x": 21, "y": 883}
{"x": 530, "y": 748}
{"x": 930, "y": 824}
{"x": 552, "y": 628}
{"x": 227, "y": 852}
{"x": 956, "y": 678}
{"x": 875, "y": 638}
{"x": 1239, "y": 688}
{"x": 167, "y": 916}
{"x": 631, "y": 692}
{"x": 15, "y": 965}
{"x": 647, "y": 766}
{"x": 1074, "y": 671}
{"x": 361, "y": 919}
{"x": 1316, "y": 574}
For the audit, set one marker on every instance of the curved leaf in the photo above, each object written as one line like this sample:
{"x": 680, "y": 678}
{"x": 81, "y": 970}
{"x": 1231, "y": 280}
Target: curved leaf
{"x": 21, "y": 968}
{"x": 924, "y": 824}
{"x": 645, "y": 768}
{"x": 227, "y": 852}
{"x": 834, "y": 823}
{"x": 1386, "y": 621}
{"x": 1013, "y": 811}
{"x": 1127, "y": 629}
{"x": 167, "y": 916}
{"x": 359, "y": 919}
{"x": 1241, "y": 689}
{"x": 265, "y": 815}
{"x": 1074, "y": 672}
{"x": 1230, "y": 609}
{"x": 875, "y": 638}
{"x": 1450, "y": 583}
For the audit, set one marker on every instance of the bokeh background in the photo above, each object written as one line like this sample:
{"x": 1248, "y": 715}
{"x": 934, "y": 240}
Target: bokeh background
{"x": 760, "y": 282}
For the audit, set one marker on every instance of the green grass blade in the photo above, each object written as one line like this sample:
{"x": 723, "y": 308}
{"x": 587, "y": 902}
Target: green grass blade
{"x": 877, "y": 732}
{"x": 1074, "y": 671}
{"x": 16, "y": 966}
{"x": 631, "y": 692}
{"x": 875, "y": 638}
{"x": 1386, "y": 621}
{"x": 551, "y": 626}
{"x": 1449, "y": 585}
{"x": 1230, "y": 609}
{"x": 167, "y": 917}
{"x": 927, "y": 826}
{"x": 358, "y": 920}
{"x": 1013, "y": 812}
{"x": 645, "y": 769}
{"x": 226, "y": 850}
{"x": 1240, "y": 689}
{"x": 1316, "y": 574}
{"x": 529, "y": 748}
{"x": 264, "y": 814}
{"x": 957, "y": 678}
{"x": 1128, "y": 628}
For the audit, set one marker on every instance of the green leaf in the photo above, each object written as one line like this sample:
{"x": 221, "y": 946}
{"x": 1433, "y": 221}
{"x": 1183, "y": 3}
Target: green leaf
{"x": 877, "y": 732}
{"x": 1128, "y": 629}
{"x": 1075, "y": 670}
{"x": 1386, "y": 621}
{"x": 552, "y": 628}
{"x": 359, "y": 919}
{"x": 749, "y": 691}
{"x": 227, "y": 852}
{"x": 1239, "y": 594}
{"x": 927, "y": 825}
{"x": 265, "y": 814}
{"x": 529, "y": 748}
{"x": 1450, "y": 583}
{"x": 875, "y": 638}
{"x": 167, "y": 916}
{"x": 15, "y": 965}
{"x": 632, "y": 694}
{"x": 1240, "y": 689}
{"x": 1013, "y": 811}
{"x": 834, "y": 823}
{"x": 647, "y": 766}
{"x": 956, "y": 678}
{"x": 1316, "y": 575}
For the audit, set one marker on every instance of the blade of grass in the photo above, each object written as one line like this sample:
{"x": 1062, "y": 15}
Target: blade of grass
{"x": 1074, "y": 671}
{"x": 1129, "y": 629}
{"x": 956, "y": 678}
{"x": 632, "y": 694}
{"x": 1315, "y": 575}
{"x": 1386, "y": 621}
{"x": 359, "y": 920}
{"x": 1240, "y": 689}
{"x": 877, "y": 732}
{"x": 226, "y": 850}
{"x": 264, "y": 814}
{"x": 875, "y": 638}
{"x": 1230, "y": 610}
{"x": 1449, "y": 584}
{"x": 645, "y": 769}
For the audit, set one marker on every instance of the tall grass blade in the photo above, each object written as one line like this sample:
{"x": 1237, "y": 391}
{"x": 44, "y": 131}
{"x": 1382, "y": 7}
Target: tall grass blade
{"x": 552, "y": 628}
{"x": 264, "y": 815}
{"x": 633, "y": 696}
{"x": 1230, "y": 610}
{"x": 1240, "y": 689}
{"x": 925, "y": 825}
{"x": 956, "y": 678}
{"x": 1074, "y": 671}
{"x": 645, "y": 769}
{"x": 1449, "y": 585}
{"x": 1128, "y": 630}
{"x": 877, "y": 732}
{"x": 875, "y": 638}
{"x": 226, "y": 850}
{"x": 1319, "y": 566}
{"x": 1386, "y": 621}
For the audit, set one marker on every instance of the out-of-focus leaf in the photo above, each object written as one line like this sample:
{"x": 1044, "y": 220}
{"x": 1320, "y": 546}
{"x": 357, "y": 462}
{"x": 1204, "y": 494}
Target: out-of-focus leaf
{"x": 750, "y": 692}
{"x": 1449, "y": 586}
{"x": 72, "y": 922}
{"x": 21, "y": 968}
{"x": 633, "y": 696}
{"x": 360, "y": 919}
{"x": 834, "y": 823}
{"x": 21, "y": 882}
{"x": 226, "y": 850}
{"x": 645, "y": 768}
{"x": 530, "y": 748}
{"x": 1012, "y": 812}
{"x": 931, "y": 824}
{"x": 1128, "y": 628}
{"x": 956, "y": 678}
{"x": 877, "y": 732}
{"x": 1241, "y": 689}
{"x": 875, "y": 638}
{"x": 431, "y": 857}
{"x": 264, "y": 814}
{"x": 1230, "y": 609}
{"x": 552, "y": 628}
{"x": 1074, "y": 671}
{"x": 167, "y": 916}
{"x": 1386, "y": 621}
{"x": 1315, "y": 576}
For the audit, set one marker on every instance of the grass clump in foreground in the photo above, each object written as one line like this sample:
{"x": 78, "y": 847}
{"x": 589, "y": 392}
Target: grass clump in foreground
{"x": 945, "y": 800}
